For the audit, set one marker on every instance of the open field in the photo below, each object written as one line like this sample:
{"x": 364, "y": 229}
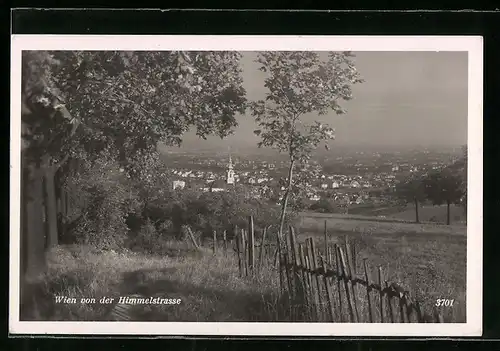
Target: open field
{"x": 427, "y": 213}
{"x": 340, "y": 223}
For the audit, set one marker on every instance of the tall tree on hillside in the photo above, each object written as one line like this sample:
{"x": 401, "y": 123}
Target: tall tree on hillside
{"x": 300, "y": 84}
{"x": 444, "y": 187}
{"x": 411, "y": 190}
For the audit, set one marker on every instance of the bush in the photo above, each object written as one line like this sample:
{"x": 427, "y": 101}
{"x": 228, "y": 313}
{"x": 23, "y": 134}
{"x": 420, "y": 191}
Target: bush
{"x": 102, "y": 201}
{"x": 146, "y": 239}
{"x": 324, "y": 206}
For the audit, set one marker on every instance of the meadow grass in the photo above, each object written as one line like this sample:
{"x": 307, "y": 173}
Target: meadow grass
{"x": 430, "y": 266}
{"x": 209, "y": 286}
{"x": 425, "y": 259}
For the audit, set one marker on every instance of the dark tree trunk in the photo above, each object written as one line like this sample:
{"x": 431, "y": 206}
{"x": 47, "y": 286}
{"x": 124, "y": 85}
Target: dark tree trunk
{"x": 61, "y": 206}
{"x": 50, "y": 207}
{"x": 34, "y": 228}
{"x": 417, "y": 219}
{"x": 447, "y": 212}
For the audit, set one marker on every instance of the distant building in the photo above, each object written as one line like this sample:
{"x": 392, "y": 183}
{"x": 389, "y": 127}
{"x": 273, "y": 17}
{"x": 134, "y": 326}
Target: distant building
{"x": 230, "y": 172}
{"x": 218, "y": 185}
{"x": 355, "y": 184}
{"x": 221, "y": 185}
{"x": 178, "y": 184}
{"x": 314, "y": 197}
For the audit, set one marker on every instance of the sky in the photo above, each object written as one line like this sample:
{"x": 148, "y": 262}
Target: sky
{"x": 408, "y": 99}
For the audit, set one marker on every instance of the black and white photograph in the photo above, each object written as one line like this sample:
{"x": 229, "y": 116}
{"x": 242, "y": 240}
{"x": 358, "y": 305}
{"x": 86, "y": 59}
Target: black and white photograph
{"x": 280, "y": 185}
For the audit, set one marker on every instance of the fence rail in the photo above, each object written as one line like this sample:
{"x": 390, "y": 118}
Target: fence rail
{"x": 323, "y": 284}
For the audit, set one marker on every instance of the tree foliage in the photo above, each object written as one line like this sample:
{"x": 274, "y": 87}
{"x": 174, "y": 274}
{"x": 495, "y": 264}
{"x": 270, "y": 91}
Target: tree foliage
{"x": 131, "y": 101}
{"x": 444, "y": 187}
{"x": 411, "y": 191}
{"x": 298, "y": 84}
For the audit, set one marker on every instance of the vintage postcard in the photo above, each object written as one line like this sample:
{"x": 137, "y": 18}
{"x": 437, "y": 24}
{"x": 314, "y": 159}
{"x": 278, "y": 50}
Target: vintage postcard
{"x": 246, "y": 185}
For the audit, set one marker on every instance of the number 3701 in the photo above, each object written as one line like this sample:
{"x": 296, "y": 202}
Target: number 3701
{"x": 444, "y": 302}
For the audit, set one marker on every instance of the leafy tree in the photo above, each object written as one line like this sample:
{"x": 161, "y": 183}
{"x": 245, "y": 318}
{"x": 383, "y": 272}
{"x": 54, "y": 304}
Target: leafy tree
{"x": 300, "y": 83}
{"x": 444, "y": 187}
{"x": 459, "y": 167}
{"x": 135, "y": 100}
{"x": 411, "y": 190}
{"x": 78, "y": 104}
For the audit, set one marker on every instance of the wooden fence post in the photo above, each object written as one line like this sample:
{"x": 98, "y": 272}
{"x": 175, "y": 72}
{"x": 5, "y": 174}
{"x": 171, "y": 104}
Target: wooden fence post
{"x": 214, "y": 242}
{"x": 389, "y": 302}
{"x": 191, "y": 236}
{"x": 289, "y": 279}
{"x": 251, "y": 245}
{"x": 289, "y": 271}
{"x": 224, "y": 238}
{"x": 239, "y": 252}
{"x": 420, "y": 317}
{"x": 409, "y": 306}
{"x": 438, "y": 317}
{"x": 299, "y": 284}
{"x": 401, "y": 309}
{"x": 245, "y": 250}
{"x": 351, "y": 273}
{"x": 312, "y": 282}
{"x": 262, "y": 248}
{"x": 280, "y": 266}
{"x": 380, "y": 279}
{"x": 368, "y": 289}
{"x": 343, "y": 265}
{"x": 306, "y": 280}
{"x": 315, "y": 269}
{"x": 329, "y": 296}
{"x": 339, "y": 276}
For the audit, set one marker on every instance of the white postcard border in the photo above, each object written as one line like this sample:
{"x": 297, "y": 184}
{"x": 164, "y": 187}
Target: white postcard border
{"x": 472, "y": 44}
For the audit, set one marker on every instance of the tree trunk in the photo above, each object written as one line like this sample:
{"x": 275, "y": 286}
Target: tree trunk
{"x": 447, "y": 212}
{"x": 417, "y": 219}
{"x": 285, "y": 199}
{"x": 50, "y": 207}
{"x": 34, "y": 225}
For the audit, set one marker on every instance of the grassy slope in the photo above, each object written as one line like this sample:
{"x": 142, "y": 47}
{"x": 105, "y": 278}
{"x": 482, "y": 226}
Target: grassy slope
{"x": 427, "y": 213}
{"x": 428, "y": 259}
{"x": 210, "y": 287}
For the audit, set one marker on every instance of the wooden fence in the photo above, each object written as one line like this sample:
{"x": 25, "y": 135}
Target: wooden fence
{"x": 323, "y": 284}
{"x": 326, "y": 286}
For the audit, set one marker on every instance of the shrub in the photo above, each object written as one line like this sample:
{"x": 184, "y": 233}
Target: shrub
{"x": 324, "y": 206}
{"x": 102, "y": 201}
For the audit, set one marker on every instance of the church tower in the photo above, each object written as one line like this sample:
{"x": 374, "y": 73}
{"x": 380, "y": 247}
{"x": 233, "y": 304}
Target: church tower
{"x": 230, "y": 172}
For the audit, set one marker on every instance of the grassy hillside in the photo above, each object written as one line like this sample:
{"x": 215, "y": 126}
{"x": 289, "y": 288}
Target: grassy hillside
{"x": 210, "y": 287}
{"x": 339, "y": 223}
{"x": 435, "y": 214}
{"x": 427, "y": 213}
{"x": 427, "y": 259}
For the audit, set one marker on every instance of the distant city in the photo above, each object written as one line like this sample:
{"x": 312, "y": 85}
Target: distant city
{"x": 347, "y": 177}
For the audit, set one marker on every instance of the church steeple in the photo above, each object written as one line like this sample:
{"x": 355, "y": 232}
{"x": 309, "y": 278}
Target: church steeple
{"x": 230, "y": 171}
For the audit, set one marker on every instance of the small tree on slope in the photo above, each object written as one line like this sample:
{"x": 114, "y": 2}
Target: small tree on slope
{"x": 299, "y": 84}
